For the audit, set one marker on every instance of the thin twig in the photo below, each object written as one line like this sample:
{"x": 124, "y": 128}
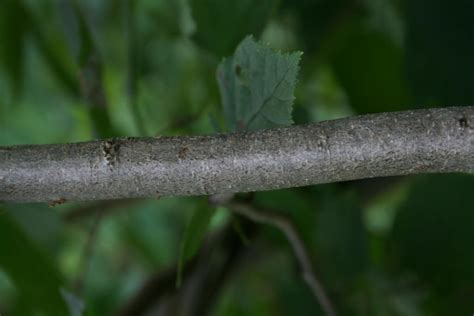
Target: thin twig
{"x": 285, "y": 225}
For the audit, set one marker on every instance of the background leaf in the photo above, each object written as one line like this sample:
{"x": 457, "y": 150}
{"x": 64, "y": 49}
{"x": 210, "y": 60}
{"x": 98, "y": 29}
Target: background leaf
{"x": 433, "y": 236}
{"x": 14, "y": 26}
{"x": 30, "y": 270}
{"x": 440, "y": 63}
{"x": 342, "y": 240}
{"x": 193, "y": 236}
{"x": 368, "y": 64}
{"x": 221, "y": 25}
{"x": 257, "y": 86}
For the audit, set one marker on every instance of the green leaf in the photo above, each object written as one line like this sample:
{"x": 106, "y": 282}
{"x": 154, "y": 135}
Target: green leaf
{"x": 193, "y": 236}
{"x": 221, "y": 25}
{"x": 257, "y": 86}
{"x": 30, "y": 270}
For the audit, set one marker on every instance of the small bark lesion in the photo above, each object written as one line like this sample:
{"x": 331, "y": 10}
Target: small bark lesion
{"x": 110, "y": 151}
{"x": 322, "y": 142}
{"x": 183, "y": 152}
{"x": 463, "y": 123}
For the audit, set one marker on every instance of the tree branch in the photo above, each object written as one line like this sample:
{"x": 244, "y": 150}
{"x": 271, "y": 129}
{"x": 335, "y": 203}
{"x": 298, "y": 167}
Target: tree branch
{"x": 386, "y": 144}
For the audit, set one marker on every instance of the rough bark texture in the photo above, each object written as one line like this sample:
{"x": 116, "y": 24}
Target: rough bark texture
{"x": 386, "y": 144}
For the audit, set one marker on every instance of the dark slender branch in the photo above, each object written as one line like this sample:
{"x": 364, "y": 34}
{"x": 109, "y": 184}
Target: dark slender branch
{"x": 152, "y": 290}
{"x": 285, "y": 225}
{"x": 215, "y": 270}
{"x": 386, "y": 144}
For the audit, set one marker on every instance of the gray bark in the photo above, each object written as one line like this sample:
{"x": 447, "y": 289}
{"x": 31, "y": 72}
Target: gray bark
{"x": 386, "y": 144}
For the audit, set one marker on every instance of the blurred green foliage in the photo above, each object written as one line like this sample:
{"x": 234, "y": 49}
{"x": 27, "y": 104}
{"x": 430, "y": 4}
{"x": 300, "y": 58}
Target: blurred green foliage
{"x": 77, "y": 70}
{"x": 221, "y": 25}
{"x": 193, "y": 236}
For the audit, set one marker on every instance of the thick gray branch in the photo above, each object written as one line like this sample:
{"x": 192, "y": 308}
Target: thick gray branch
{"x": 386, "y": 144}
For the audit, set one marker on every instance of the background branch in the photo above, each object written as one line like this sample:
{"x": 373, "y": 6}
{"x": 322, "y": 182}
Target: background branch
{"x": 386, "y": 144}
{"x": 285, "y": 225}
